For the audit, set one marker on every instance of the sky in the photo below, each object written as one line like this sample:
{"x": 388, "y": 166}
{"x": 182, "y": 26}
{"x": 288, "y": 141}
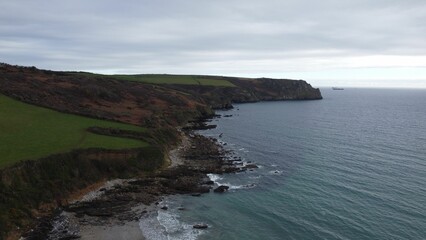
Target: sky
{"x": 359, "y": 43}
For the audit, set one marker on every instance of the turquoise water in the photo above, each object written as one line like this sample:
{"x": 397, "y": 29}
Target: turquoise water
{"x": 351, "y": 166}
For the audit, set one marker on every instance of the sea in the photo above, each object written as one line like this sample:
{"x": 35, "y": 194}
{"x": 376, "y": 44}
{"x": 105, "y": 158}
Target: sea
{"x": 350, "y": 166}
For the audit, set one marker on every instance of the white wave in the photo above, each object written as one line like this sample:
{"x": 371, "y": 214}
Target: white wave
{"x": 152, "y": 229}
{"x": 236, "y": 187}
{"x": 255, "y": 177}
{"x": 214, "y": 177}
{"x": 165, "y": 225}
{"x": 247, "y": 186}
{"x": 176, "y": 229}
{"x": 243, "y": 150}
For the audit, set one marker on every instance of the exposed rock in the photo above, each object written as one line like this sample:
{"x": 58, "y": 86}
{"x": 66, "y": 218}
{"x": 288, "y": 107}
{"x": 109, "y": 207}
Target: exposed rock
{"x": 249, "y": 166}
{"x": 117, "y": 203}
{"x": 200, "y": 226}
{"x": 221, "y": 189}
{"x": 199, "y": 126}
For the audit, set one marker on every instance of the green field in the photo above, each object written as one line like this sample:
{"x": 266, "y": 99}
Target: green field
{"x": 175, "y": 79}
{"x": 168, "y": 79}
{"x": 31, "y": 132}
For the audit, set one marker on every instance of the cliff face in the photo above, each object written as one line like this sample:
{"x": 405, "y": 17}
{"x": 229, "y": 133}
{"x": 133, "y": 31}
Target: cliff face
{"x": 252, "y": 90}
{"x": 267, "y": 89}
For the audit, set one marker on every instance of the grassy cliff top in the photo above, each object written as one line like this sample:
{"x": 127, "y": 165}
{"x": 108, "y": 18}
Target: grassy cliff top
{"x": 167, "y": 79}
{"x": 31, "y": 132}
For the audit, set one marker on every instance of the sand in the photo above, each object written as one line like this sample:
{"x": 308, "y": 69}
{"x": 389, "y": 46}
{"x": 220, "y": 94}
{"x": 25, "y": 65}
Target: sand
{"x": 129, "y": 230}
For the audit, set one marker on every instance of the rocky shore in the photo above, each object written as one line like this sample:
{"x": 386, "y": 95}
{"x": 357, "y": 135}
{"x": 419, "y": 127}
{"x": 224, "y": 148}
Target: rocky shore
{"x": 117, "y": 207}
{"x": 32, "y": 188}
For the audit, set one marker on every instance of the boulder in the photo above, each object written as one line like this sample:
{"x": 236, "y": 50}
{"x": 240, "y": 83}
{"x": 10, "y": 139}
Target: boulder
{"x": 251, "y": 165}
{"x": 221, "y": 189}
{"x": 209, "y": 182}
{"x": 200, "y": 226}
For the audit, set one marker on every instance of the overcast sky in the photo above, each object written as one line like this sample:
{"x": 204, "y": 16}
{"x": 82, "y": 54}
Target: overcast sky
{"x": 379, "y": 43}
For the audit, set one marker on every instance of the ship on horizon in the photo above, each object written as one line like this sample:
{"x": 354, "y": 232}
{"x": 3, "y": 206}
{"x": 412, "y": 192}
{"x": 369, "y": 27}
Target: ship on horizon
{"x": 337, "y": 88}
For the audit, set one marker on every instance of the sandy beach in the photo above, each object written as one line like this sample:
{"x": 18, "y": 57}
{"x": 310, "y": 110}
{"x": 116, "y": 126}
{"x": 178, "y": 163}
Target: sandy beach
{"x": 127, "y": 231}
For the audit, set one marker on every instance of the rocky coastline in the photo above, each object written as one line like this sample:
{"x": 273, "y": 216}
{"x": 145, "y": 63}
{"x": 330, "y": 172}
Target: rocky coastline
{"x": 33, "y": 187}
{"x": 117, "y": 206}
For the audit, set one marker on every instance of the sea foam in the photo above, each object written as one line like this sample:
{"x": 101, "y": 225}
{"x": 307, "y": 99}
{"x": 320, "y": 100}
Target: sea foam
{"x": 166, "y": 225}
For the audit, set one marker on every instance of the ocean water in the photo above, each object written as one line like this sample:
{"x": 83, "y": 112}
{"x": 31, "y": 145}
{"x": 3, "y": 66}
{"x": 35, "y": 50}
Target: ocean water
{"x": 350, "y": 166}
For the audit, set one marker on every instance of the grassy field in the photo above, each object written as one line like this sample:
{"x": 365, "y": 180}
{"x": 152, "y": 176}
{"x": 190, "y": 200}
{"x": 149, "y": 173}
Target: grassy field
{"x": 175, "y": 79}
{"x": 168, "y": 79}
{"x": 31, "y": 132}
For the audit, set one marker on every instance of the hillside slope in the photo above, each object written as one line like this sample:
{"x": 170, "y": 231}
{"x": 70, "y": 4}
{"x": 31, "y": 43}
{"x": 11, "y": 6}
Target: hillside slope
{"x": 171, "y": 101}
{"x": 31, "y": 132}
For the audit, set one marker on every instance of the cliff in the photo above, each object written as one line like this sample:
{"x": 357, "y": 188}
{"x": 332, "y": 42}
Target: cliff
{"x": 251, "y": 90}
{"x": 143, "y": 103}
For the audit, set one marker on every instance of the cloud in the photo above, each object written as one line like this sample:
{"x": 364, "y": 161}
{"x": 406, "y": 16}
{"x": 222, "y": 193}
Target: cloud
{"x": 234, "y": 37}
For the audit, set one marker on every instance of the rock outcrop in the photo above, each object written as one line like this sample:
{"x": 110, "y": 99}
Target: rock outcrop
{"x": 252, "y": 90}
{"x": 221, "y": 189}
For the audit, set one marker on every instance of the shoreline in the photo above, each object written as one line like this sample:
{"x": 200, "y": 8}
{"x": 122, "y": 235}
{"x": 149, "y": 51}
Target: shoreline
{"x": 132, "y": 229}
{"x": 114, "y": 212}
